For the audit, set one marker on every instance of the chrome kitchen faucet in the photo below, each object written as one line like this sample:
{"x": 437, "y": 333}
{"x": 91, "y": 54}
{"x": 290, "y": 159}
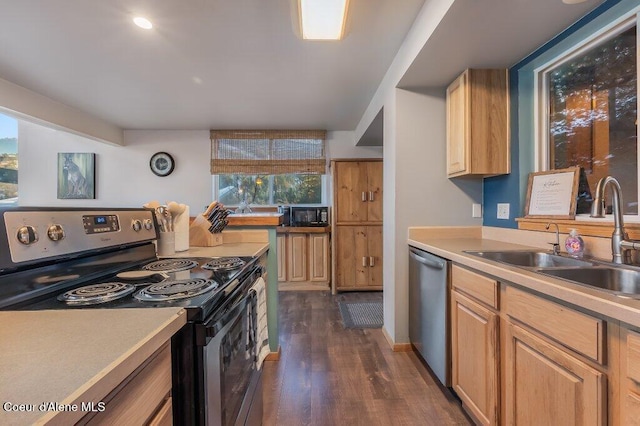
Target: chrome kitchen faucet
{"x": 620, "y": 242}
{"x": 556, "y": 245}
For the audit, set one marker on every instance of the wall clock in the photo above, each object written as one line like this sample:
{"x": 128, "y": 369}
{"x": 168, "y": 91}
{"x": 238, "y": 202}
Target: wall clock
{"x": 162, "y": 164}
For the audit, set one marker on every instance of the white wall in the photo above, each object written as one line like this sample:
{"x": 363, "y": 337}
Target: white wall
{"x": 123, "y": 177}
{"x": 423, "y": 27}
{"x": 416, "y": 191}
{"x": 343, "y": 145}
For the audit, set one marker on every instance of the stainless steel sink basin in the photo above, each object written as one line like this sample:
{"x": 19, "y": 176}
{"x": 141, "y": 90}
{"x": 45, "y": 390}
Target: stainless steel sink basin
{"x": 531, "y": 259}
{"x": 624, "y": 282}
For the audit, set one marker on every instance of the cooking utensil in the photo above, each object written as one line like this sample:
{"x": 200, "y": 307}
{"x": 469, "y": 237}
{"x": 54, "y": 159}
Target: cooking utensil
{"x": 175, "y": 208}
{"x": 151, "y": 205}
{"x": 164, "y": 218}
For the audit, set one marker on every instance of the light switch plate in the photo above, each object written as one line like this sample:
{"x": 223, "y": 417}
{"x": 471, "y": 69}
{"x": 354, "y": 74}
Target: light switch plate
{"x": 503, "y": 210}
{"x": 476, "y": 210}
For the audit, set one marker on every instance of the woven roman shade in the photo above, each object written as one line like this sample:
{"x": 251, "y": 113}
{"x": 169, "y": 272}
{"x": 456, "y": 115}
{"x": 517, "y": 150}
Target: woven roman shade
{"x": 268, "y": 152}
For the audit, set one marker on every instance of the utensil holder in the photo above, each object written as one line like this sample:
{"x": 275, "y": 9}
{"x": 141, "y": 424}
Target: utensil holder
{"x": 166, "y": 245}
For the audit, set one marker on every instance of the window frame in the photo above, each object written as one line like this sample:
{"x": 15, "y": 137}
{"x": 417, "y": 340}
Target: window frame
{"x": 541, "y": 101}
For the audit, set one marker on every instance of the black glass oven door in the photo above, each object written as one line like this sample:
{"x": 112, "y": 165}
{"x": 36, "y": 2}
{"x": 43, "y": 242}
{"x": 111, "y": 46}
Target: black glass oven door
{"x": 228, "y": 366}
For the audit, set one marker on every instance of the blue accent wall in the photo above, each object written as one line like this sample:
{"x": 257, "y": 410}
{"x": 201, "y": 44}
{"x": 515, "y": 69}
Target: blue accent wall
{"x": 512, "y": 188}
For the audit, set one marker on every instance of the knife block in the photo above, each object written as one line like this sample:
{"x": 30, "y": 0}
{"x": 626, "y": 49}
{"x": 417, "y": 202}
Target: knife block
{"x": 199, "y": 235}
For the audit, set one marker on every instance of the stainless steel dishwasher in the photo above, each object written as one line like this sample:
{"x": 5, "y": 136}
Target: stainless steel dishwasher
{"x": 428, "y": 310}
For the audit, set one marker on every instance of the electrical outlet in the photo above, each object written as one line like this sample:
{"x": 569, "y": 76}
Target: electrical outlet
{"x": 476, "y": 210}
{"x": 503, "y": 210}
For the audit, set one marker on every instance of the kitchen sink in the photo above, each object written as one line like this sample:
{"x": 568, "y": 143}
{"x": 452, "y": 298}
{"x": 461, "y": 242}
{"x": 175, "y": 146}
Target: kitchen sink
{"x": 531, "y": 259}
{"x": 621, "y": 281}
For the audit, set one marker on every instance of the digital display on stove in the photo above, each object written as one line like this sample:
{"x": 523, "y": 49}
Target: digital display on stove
{"x": 97, "y": 224}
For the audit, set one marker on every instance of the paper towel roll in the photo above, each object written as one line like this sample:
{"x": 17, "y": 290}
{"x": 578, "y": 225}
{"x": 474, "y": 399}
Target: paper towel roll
{"x": 181, "y": 228}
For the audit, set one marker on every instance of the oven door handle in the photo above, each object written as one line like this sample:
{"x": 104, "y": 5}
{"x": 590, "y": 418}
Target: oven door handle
{"x": 233, "y": 312}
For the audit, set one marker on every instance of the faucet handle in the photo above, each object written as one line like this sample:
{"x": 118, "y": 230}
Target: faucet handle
{"x": 555, "y": 248}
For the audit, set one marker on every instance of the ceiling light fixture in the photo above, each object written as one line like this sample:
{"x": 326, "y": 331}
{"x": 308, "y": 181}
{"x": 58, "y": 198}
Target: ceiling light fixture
{"x": 323, "y": 19}
{"x": 142, "y": 22}
{"x": 573, "y": 1}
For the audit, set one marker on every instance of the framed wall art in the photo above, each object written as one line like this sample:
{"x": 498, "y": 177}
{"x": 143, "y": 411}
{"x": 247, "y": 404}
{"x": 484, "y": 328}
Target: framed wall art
{"x": 553, "y": 194}
{"x": 76, "y": 175}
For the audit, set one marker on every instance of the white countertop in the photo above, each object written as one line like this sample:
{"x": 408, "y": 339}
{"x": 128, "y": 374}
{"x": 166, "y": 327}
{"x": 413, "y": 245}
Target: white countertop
{"x": 74, "y": 356}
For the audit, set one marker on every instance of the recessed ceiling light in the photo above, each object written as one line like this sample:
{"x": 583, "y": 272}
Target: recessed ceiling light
{"x": 142, "y": 22}
{"x": 323, "y": 19}
{"x": 573, "y": 1}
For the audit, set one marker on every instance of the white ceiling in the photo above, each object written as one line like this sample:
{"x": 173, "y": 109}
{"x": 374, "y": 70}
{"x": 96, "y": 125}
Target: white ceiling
{"x": 489, "y": 34}
{"x": 239, "y": 63}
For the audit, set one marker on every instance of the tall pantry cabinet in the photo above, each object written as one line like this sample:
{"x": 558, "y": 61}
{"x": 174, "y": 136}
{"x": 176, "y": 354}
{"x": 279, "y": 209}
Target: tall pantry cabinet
{"x": 357, "y": 224}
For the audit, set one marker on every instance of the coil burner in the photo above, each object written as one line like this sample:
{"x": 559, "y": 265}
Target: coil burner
{"x": 96, "y": 293}
{"x": 174, "y": 290}
{"x": 170, "y": 265}
{"x": 224, "y": 264}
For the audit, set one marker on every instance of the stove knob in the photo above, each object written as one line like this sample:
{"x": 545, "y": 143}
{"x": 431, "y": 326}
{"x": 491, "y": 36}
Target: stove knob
{"x": 148, "y": 224}
{"x": 27, "y": 235}
{"x": 136, "y": 225}
{"x": 55, "y": 233}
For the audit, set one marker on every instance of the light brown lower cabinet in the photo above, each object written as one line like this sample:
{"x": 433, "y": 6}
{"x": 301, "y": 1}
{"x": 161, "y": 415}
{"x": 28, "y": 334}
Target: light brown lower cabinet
{"x": 142, "y": 398}
{"x": 358, "y": 257}
{"x": 631, "y": 378}
{"x": 297, "y": 257}
{"x": 475, "y": 363}
{"x": 281, "y": 247}
{"x": 547, "y": 386}
{"x": 522, "y": 359}
{"x": 304, "y": 257}
{"x": 164, "y": 416}
{"x": 319, "y": 263}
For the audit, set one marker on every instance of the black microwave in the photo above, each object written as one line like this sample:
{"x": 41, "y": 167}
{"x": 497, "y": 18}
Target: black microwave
{"x": 309, "y": 216}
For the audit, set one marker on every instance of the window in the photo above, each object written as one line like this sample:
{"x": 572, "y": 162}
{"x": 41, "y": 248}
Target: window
{"x": 268, "y": 167}
{"x": 270, "y": 189}
{"x": 591, "y": 111}
{"x": 8, "y": 160}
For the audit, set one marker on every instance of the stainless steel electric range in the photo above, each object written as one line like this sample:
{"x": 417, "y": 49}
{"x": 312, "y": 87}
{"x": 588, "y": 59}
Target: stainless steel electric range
{"x": 53, "y": 258}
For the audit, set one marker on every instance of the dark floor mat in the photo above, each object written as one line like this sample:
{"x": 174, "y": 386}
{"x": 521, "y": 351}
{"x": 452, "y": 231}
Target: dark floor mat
{"x": 361, "y": 314}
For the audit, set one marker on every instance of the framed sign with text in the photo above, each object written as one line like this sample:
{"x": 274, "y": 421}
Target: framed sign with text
{"x": 553, "y": 194}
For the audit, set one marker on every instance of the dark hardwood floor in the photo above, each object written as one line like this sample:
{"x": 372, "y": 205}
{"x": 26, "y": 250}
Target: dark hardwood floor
{"x": 329, "y": 375}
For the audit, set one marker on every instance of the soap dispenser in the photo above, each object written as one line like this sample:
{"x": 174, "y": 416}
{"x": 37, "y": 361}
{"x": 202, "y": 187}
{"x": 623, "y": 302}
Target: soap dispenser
{"x": 574, "y": 244}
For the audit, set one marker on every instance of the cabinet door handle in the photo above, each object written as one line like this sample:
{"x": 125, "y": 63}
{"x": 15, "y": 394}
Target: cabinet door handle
{"x": 370, "y": 195}
{"x": 364, "y": 261}
{"x": 372, "y": 261}
{"x": 364, "y": 196}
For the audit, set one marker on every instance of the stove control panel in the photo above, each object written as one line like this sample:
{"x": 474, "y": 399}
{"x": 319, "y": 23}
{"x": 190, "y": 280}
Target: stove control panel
{"x": 40, "y": 234}
{"x": 97, "y": 224}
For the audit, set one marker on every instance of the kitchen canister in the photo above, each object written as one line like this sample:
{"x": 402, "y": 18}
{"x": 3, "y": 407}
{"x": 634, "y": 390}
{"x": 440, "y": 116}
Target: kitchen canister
{"x": 181, "y": 228}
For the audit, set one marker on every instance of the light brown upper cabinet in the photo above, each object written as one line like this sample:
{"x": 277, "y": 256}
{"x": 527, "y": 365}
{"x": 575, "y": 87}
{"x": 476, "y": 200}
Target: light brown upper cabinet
{"x": 358, "y": 192}
{"x": 478, "y": 124}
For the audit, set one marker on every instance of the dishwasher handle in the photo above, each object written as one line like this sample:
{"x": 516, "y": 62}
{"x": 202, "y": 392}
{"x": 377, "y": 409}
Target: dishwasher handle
{"x": 432, "y": 263}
